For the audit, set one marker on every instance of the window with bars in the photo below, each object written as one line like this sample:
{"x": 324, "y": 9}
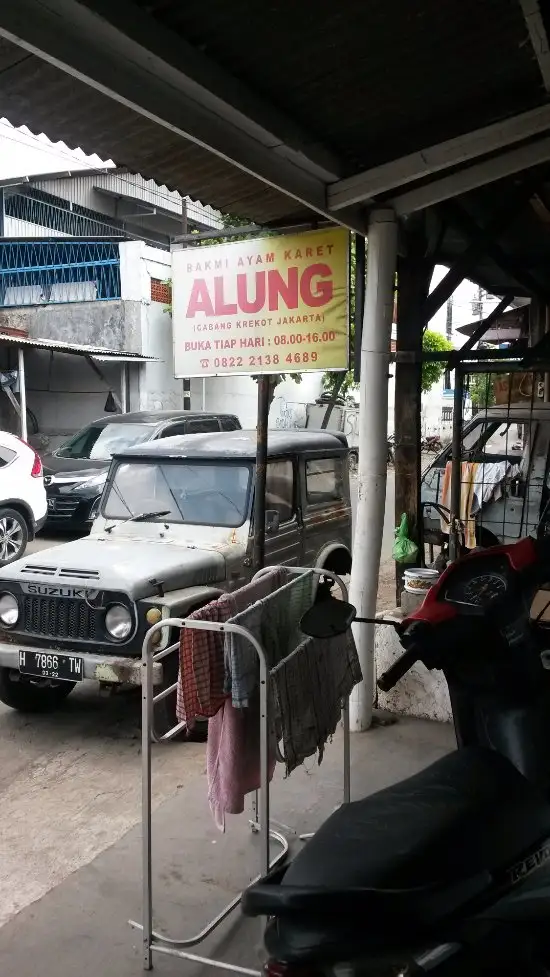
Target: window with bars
{"x": 46, "y": 272}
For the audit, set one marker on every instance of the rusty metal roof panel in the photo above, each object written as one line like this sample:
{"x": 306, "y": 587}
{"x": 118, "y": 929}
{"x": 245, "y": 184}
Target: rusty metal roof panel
{"x": 46, "y": 99}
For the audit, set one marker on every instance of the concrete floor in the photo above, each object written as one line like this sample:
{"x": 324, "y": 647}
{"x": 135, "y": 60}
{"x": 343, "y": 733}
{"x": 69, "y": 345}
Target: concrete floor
{"x": 80, "y": 925}
{"x": 70, "y": 840}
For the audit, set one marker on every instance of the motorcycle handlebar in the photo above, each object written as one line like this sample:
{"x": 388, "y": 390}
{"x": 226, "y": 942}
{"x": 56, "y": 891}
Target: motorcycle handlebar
{"x": 398, "y": 669}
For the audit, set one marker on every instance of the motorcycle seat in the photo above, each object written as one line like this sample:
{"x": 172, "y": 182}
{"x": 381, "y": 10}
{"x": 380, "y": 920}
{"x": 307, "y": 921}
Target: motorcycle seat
{"x": 405, "y": 857}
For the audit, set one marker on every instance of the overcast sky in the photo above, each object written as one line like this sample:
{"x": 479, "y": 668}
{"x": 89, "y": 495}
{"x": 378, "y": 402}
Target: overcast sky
{"x": 22, "y": 154}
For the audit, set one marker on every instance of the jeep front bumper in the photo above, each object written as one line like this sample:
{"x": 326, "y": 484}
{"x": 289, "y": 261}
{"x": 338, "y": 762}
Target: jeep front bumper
{"x": 97, "y": 667}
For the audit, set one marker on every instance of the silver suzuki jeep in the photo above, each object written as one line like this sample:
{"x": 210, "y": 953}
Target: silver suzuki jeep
{"x": 173, "y": 532}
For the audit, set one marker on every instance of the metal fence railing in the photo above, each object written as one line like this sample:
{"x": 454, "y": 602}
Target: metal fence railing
{"x": 44, "y": 272}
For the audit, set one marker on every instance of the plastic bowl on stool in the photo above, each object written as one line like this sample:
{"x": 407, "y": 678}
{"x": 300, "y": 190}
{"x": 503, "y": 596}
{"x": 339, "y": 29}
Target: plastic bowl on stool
{"x": 418, "y": 580}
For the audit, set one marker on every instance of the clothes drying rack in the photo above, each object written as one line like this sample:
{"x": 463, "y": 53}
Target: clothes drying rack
{"x": 153, "y": 940}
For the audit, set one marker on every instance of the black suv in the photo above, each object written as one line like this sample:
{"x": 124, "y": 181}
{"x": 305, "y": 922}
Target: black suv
{"x": 76, "y": 472}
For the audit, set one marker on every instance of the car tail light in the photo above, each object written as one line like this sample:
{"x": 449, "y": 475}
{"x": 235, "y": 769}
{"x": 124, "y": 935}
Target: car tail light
{"x": 36, "y": 470}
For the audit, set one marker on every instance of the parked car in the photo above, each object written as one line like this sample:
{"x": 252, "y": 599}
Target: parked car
{"x": 22, "y": 497}
{"x": 77, "y": 471}
{"x": 513, "y": 446}
{"x": 174, "y": 531}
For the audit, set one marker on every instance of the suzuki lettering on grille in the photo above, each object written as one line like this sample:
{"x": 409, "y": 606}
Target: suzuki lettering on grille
{"x": 47, "y": 590}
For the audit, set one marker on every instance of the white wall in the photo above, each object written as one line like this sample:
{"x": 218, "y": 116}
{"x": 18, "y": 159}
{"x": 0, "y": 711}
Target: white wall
{"x": 156, "y": 389}
{"x": 65, "y": 393}
{"x": 239, "y": 395}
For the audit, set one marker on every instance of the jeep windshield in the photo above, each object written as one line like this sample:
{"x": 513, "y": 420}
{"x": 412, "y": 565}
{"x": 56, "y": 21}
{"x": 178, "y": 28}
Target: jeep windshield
{"x": 195, "y": 493}
{"x": 101, "y": 441}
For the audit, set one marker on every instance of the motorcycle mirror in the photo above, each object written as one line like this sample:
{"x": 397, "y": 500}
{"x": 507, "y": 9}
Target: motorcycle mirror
{"x": 328, "y": 619}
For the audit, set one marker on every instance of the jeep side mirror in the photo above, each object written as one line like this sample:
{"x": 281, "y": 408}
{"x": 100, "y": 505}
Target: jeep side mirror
{"x": 272, "y": 521}
{"x": 328, "y": 618}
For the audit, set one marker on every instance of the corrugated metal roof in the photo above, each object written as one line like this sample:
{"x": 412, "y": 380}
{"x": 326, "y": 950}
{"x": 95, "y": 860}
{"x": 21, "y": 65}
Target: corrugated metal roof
{"x": 46, "y": 99}
{"x": 95, "y": 352}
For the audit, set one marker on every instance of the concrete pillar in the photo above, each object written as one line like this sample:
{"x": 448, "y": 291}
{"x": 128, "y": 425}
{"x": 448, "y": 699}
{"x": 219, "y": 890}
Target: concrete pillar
{"x": 373, "y": 429}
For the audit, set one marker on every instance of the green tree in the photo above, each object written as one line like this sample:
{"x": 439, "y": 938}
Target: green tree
{"x": 433, "y": 342}
{"x": 481, "y": 390}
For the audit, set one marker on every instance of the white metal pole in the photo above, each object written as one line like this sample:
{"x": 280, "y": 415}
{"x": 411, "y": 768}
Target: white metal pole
{"x": 124, "y": 387}
{"x": 372, "y": 468}
{"x": 203, "y": 393}
{"x": 22, "y": 392}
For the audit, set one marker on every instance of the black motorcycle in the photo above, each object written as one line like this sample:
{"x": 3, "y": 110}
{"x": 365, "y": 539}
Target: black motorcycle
{"x": 447, "y": 872}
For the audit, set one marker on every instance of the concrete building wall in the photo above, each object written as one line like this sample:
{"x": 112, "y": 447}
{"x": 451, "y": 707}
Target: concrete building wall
{"x": 421, "y": 693}
{"x": 157, "y": 388}
{"x": 65, "y": 393}
{"x": 115, "y": 324}
{"x": 62, "y": 390}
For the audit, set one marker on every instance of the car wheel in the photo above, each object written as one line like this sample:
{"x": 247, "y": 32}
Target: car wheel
{"x": 26, "y": 695}
{"x": 14, "y": 535}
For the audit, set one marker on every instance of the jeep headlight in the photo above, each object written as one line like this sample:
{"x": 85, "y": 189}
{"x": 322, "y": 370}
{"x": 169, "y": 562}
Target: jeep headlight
{"x": 9, "y": 610}
{"x": 118, "y": 622}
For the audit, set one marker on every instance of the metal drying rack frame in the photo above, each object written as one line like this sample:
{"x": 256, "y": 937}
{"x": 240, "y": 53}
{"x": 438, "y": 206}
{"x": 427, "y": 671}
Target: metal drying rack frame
{"x": 154, "y": 941}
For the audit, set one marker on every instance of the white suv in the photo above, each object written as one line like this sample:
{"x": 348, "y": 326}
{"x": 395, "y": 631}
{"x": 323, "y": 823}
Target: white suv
{"x": 23, "y": 504}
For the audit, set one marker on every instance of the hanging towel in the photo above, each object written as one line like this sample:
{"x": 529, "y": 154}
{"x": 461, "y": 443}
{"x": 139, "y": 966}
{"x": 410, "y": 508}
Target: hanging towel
{"x": 233, "y": 758}
{"x": 488, "y": 481}
{"x": 233, "y": 747}
{"x": 274, "y": 621}
{"x": 200, "y": 691}
{"x": 468, "y": 471}
{"x": 310, "y": 686}
{"x": 201, "y": 678}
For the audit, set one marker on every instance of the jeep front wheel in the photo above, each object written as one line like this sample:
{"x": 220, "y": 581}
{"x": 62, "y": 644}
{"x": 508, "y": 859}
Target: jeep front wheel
{"x": 27, "y": 695}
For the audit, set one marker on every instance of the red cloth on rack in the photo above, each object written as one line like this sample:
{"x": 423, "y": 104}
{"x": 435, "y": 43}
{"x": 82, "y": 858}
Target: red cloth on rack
{"x": 233, "y": 759}
{"x": 233, "y": 747}
{"x": 201, "y": 677}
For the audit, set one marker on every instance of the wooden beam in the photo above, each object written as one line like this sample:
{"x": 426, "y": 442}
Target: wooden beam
{"x": 433, "y": 159}
{"x": 472, "y": 177}
{"x": 414, "y": 273}
{"x": 538, "y": 37}
{"x": 460, "y": 218}
{"x": 483, "y": 327}
{"x": 478, "y": 244}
